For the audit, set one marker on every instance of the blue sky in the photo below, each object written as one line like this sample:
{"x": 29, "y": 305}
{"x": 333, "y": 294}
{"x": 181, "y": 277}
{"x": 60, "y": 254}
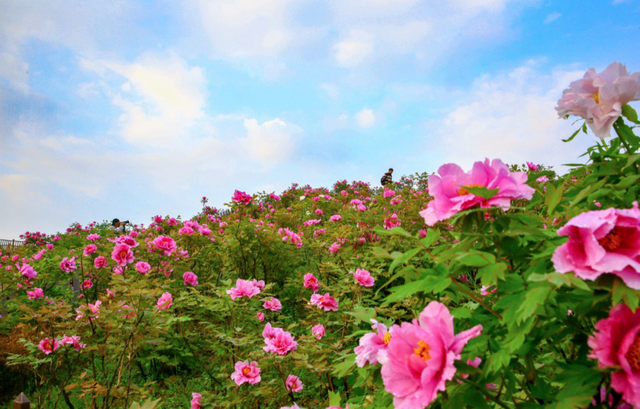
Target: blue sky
{"x": 135, "y": 108}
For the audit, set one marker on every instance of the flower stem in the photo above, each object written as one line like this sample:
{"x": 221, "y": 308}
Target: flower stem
{"x": 474, "y": 296}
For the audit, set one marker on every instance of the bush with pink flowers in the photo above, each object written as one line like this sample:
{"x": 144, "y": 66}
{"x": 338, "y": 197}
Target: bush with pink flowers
{"x": 491, "y": 287}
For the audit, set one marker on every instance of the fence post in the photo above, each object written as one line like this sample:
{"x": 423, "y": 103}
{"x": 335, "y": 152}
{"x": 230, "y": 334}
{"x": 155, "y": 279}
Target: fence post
{"x": 21, "y": 402}
{"x": 75, "y": 283}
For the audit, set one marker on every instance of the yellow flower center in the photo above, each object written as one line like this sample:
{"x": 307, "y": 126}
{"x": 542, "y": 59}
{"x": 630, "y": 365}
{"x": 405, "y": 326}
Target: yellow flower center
{"x": 246, "y": 371}
{"x": 463, "y": 189}
{"x": 596, "y": 97}
{"x": 633, "y": 354}
{"x": 386, "y": 338}
{"x": 422, "y": 351}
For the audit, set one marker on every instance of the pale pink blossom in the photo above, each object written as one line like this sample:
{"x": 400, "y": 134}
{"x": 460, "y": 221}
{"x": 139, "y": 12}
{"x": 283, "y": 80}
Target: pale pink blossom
{"x": 39, "y": 254}
{"x": 260, "y": 316}
{"x": 312, "y": 222}
{"x": 143, "y": 267}
{"x": 165, "y": 244}
{"x": 36, "y": 294}
{"x": 388, "y": 193}
{"x": 243, "y": 288}
{"x": 335, "y": 247}
{"x": 272, "y": 304}
{"x": 293, "y": 383}
{"x": 165, "y": 301}
{"x": 92, "y": 308}
{"x": 484, "y": 290}
{"x": 542, "y": 179}
{"x": 246, "y": 372}
{"x": 450, "y": 194}
{"x": 122, "y": 255}
{"x": 372, "y": 346}
{"x": 318, "y": 331}
{"x": 278, "y": 340}
{"x": 326, "y": 302}
{"x": 186, "y": 230}
{"x": 260, "y": 284}
{"x": 363, "y": 277}
{"x": 93, "y": 237}
{"x": 27, "y": 271}
{"x": 73, "y": 340}
{"x": 311, "y": 282}
{"x": 190, "y": 278}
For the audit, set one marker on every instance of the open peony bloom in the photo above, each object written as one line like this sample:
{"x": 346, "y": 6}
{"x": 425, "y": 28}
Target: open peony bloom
{"x": 372, "y": 345}
{"x": 450, "y": 194}
{"x": 246, "y": 372}
{"x": 27, "y": 271}
{"x": 272, "y": 304}
{"x": 599, "y": 97}
{"x": 73, "y": 340}
{"x": 260, "y": 316}
{"x": 363, "y": 277}
{"x": 335, "y": 218}
{"x": 68, "y": 265}
{"x": 260, "y": 284}
{"x": 602, "y": 241}
{"x": 36, "y": 294}
{"x": 243, "y": 288}
{"x": 122, "y": 255}
{"x": 100, "y": 262}
{"x": 278, "y": 340}
{"x": 420, "y": 356}
{"x": 241, "y": 197}
{"x": 616, "y": 344}
{"x": 532, "y": 166}
{"x": 190, "y": 278}
{"x": 318, "y": 331}
{"x": 165, "y": 244}
{"x": 311, "y": 282}
{"x": 324, "y": 301}
{"x": 48, "y": 345}
{"x": 293, "y": 383}
{"x": 195, "y": 400}
{"x": 143, "y": 267}
{"x": 165, "y": 301}
{"x": 90, "y": 249}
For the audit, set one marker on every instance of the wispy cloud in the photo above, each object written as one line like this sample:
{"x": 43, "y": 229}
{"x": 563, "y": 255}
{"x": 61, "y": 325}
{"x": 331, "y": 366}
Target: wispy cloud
{"x": 552, "y": 17}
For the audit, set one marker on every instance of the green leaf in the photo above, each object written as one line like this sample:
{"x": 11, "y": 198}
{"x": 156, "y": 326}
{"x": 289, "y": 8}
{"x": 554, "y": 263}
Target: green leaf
{"x": 553, "y": 196}
{"x": 569, "y": 139}
{"x": 363, "y": 314}
{"x": 461, "y": 312}
{"x": 344, "y": 368}
{"x": 491, "y": 273}
{"x": 476, "y": 258}
{"x": 533, "y": 299}
{"x": 559, "y": 280}
{"x": 395, "y": 231}
{"x": 334, "y": 399}
{"x": 432, "y": 236}
{"x": 630, "y": 113}
{"x": 627, "y": 181}
{"x": 406, "y": 256}
{"x": 498, "y": 360}
{"x": 622, "y": 293}
{"x": 482, "y": 191}
{"x": 586, "y": 191}
{"x": 632, "y": 159}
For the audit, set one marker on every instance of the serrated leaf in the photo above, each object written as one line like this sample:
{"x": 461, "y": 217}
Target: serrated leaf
{"x": 406, "y": 256}
{"x": 334, "y": 399}
{"x": 533, "y": 299}
{"x": 490, "y": 274}
{"x": 476, "y": 259}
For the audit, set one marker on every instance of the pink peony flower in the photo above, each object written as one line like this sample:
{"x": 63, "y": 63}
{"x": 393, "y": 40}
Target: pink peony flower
{"x": 335, "y": 247}
{"x": 93, "y": 237}
{"x": 311, "y": 282}
{"x": 532, "y": 166}
{"x": 143, "y": 267}
{"x": 602, "y": 241}
{"x": 165, "y": 301}
{"x": 278, "y": 340}
{"x": 451, "y": 196}
{"x": 599, "y": 97}
{"x": 319, "y": 212}
{"x": 241, "y": 197}
{"x": 39, "y": 254}
{"x": 420, "y": 356}
{"x": 246, "y": 372}
{"x": 68, "y": 265}
{"x": 616, "y": 344}
{"x": 389, "y": 193}
{"x": 324, "y": 301}
{"x": 165, "y": 244}
{"x": 260, "y": 316}
{"x": 335, "y": 218}
{"x": 272, "y": 304}
{"x": 243, "y": 288}
{"x": 100, "y": 262}
{"x": 122, "y": 255}
{"x": 293, "y": 383}
{"x": 372, "y": 345}
{"x": 312, "y": 222}
{"x": 318, "y": 331}
{"x": 48, "y": 345}
{"x": 260, "y": 284}
{"x": 27, "y": 271}
{"x": 90, "y": 249}
{"x": 195, "y": 400}
{"x": 110, "y": 294}
{"x": 363, "y": 277}
{"x": 86, "y": 284}
{"x": 73, "y": 340}
{"x": 186, "y": 230}
{"x": 542, "y": 179}
{"x": 49, "y": 246}
{"x": 484, "y": 290}
{"x": 391, "y": 222}
{"x": 190, "y": 278}
{"x": 36, "y": 294}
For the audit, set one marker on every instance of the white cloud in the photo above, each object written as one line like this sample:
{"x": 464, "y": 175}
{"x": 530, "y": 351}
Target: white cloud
{"x": 271, "y": 142}
{"x": 512, "y": 117}
{"x": 552, "y": 17}
{"x": 365, "y": 118}
{"x": 353, "y": 50}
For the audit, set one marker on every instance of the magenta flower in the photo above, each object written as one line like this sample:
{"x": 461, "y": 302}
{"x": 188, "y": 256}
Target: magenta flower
{"x": 311, "y": 282}
{"x": 599, "y": 97}
{"x": 190, "y": 278}
{"x": 241, "y": 197}
{"x": 318, "y": 331}
{"x": 110, "y": 294}
{"x": 391, "y": 222}
{"x": 335, "y": 247}
{"x": 122, "y": 255}
{"x": 90, "y": 249}
{"x": 260, "y": 284}
{"x": 616, "y": 344}
{"x": 243, "y": 288}
{"x": 363, "y": 277}
{"x": 319, "y": 212}
{"x": 278, "y": 340}
{"x": 293, "y": 383}
{"x": 143, "y": 267}
{"x": 100, "y": 262}
{"x": 165, "y": 301}
{"x": 86, "y": 284}
{"x": 93, "y": 237}
{"x": 373, "y": 345}
{"x": 388, "y": 193}
{"x": 272, "y": 304}
{"x": 312, "y": 222}
{"x": 324, "y": 301}
{"x": 195, "y": 400}
{"x": 27, "y": 271}
{"x": 93, "y": 309}
{"x": 451, "y": 196}
{"x": 260, "y": 316}
{"x": 186, "y": 230}
{"x": 48, "y": 345}
{"x": 165, "y": 244}
{"x": 602, "y": 241}
{"x": 73, "y": 340}
{"x": 39, "y": 254}
{"x": 335, "y": 218}
{"x": 420, "y": 356}
{"x": 542, "y": 179}
{"x": 246, "y": 372}
{"x": 36, "y": 294}
{"x": 68, "y": 265}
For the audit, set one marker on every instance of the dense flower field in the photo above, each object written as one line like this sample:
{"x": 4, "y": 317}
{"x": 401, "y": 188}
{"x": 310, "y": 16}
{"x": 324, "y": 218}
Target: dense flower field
{"x": 497, "y": 286}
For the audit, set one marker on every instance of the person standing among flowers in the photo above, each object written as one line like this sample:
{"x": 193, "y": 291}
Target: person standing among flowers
{"x": 387, "y": 178}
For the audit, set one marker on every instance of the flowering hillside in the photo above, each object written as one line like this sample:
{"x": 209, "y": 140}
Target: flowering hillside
{"x": 495, "y": 286}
